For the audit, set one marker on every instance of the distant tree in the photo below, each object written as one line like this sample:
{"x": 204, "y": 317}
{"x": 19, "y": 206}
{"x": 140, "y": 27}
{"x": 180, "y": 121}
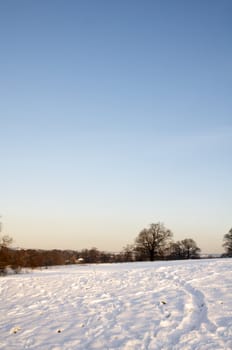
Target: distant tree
{"x": 90, "y": 256}
{"x": 185, "y": 249}
{"x": 5, "y": 252}
{"x": 105, "y": 257}
{"x": 19, "y": 259}
{"x": 228, "y": 243}
{"x": 151, "y": 242}
{"x": 176, "y": 251}
{"x": 5, "y": 241}
{"x": 94, "y": 255}
{"x": 128, "y": 253}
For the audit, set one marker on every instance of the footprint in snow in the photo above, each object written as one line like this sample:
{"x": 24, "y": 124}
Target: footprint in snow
{"x": 15, "y": 330}
{"x": 59, "y": 330}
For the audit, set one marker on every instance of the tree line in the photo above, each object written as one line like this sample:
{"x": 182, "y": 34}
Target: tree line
{"x": 152, "y": 243}
{"x": 156, "y": 243}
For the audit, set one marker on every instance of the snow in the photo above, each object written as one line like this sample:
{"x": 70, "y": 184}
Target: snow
{"x": 148, "y": 305}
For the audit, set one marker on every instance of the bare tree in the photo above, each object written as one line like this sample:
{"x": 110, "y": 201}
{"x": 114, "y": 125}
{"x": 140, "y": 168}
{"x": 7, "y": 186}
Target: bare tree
{"x": 5, "y": 253}
{"x": 152, "y": 242}
{"x": 5, "y": 241}
{"x": 128, "y": 253}
{"x": 185, "y": 249}
{"x": 228, "y": 243}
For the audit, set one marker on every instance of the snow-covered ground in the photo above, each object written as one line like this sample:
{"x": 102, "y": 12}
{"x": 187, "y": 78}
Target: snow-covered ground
{"x": 159, "y": 305}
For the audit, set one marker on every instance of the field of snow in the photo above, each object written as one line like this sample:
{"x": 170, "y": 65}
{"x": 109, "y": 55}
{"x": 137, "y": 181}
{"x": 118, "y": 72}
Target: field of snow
{"x": 158, "y": 305}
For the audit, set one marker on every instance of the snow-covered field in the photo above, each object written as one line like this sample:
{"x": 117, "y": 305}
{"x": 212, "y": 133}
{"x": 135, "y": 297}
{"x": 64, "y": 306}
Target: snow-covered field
{"x": 159, "y": 305}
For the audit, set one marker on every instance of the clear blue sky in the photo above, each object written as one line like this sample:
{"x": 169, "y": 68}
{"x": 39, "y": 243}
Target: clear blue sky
{"x": 113, "y": 115}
